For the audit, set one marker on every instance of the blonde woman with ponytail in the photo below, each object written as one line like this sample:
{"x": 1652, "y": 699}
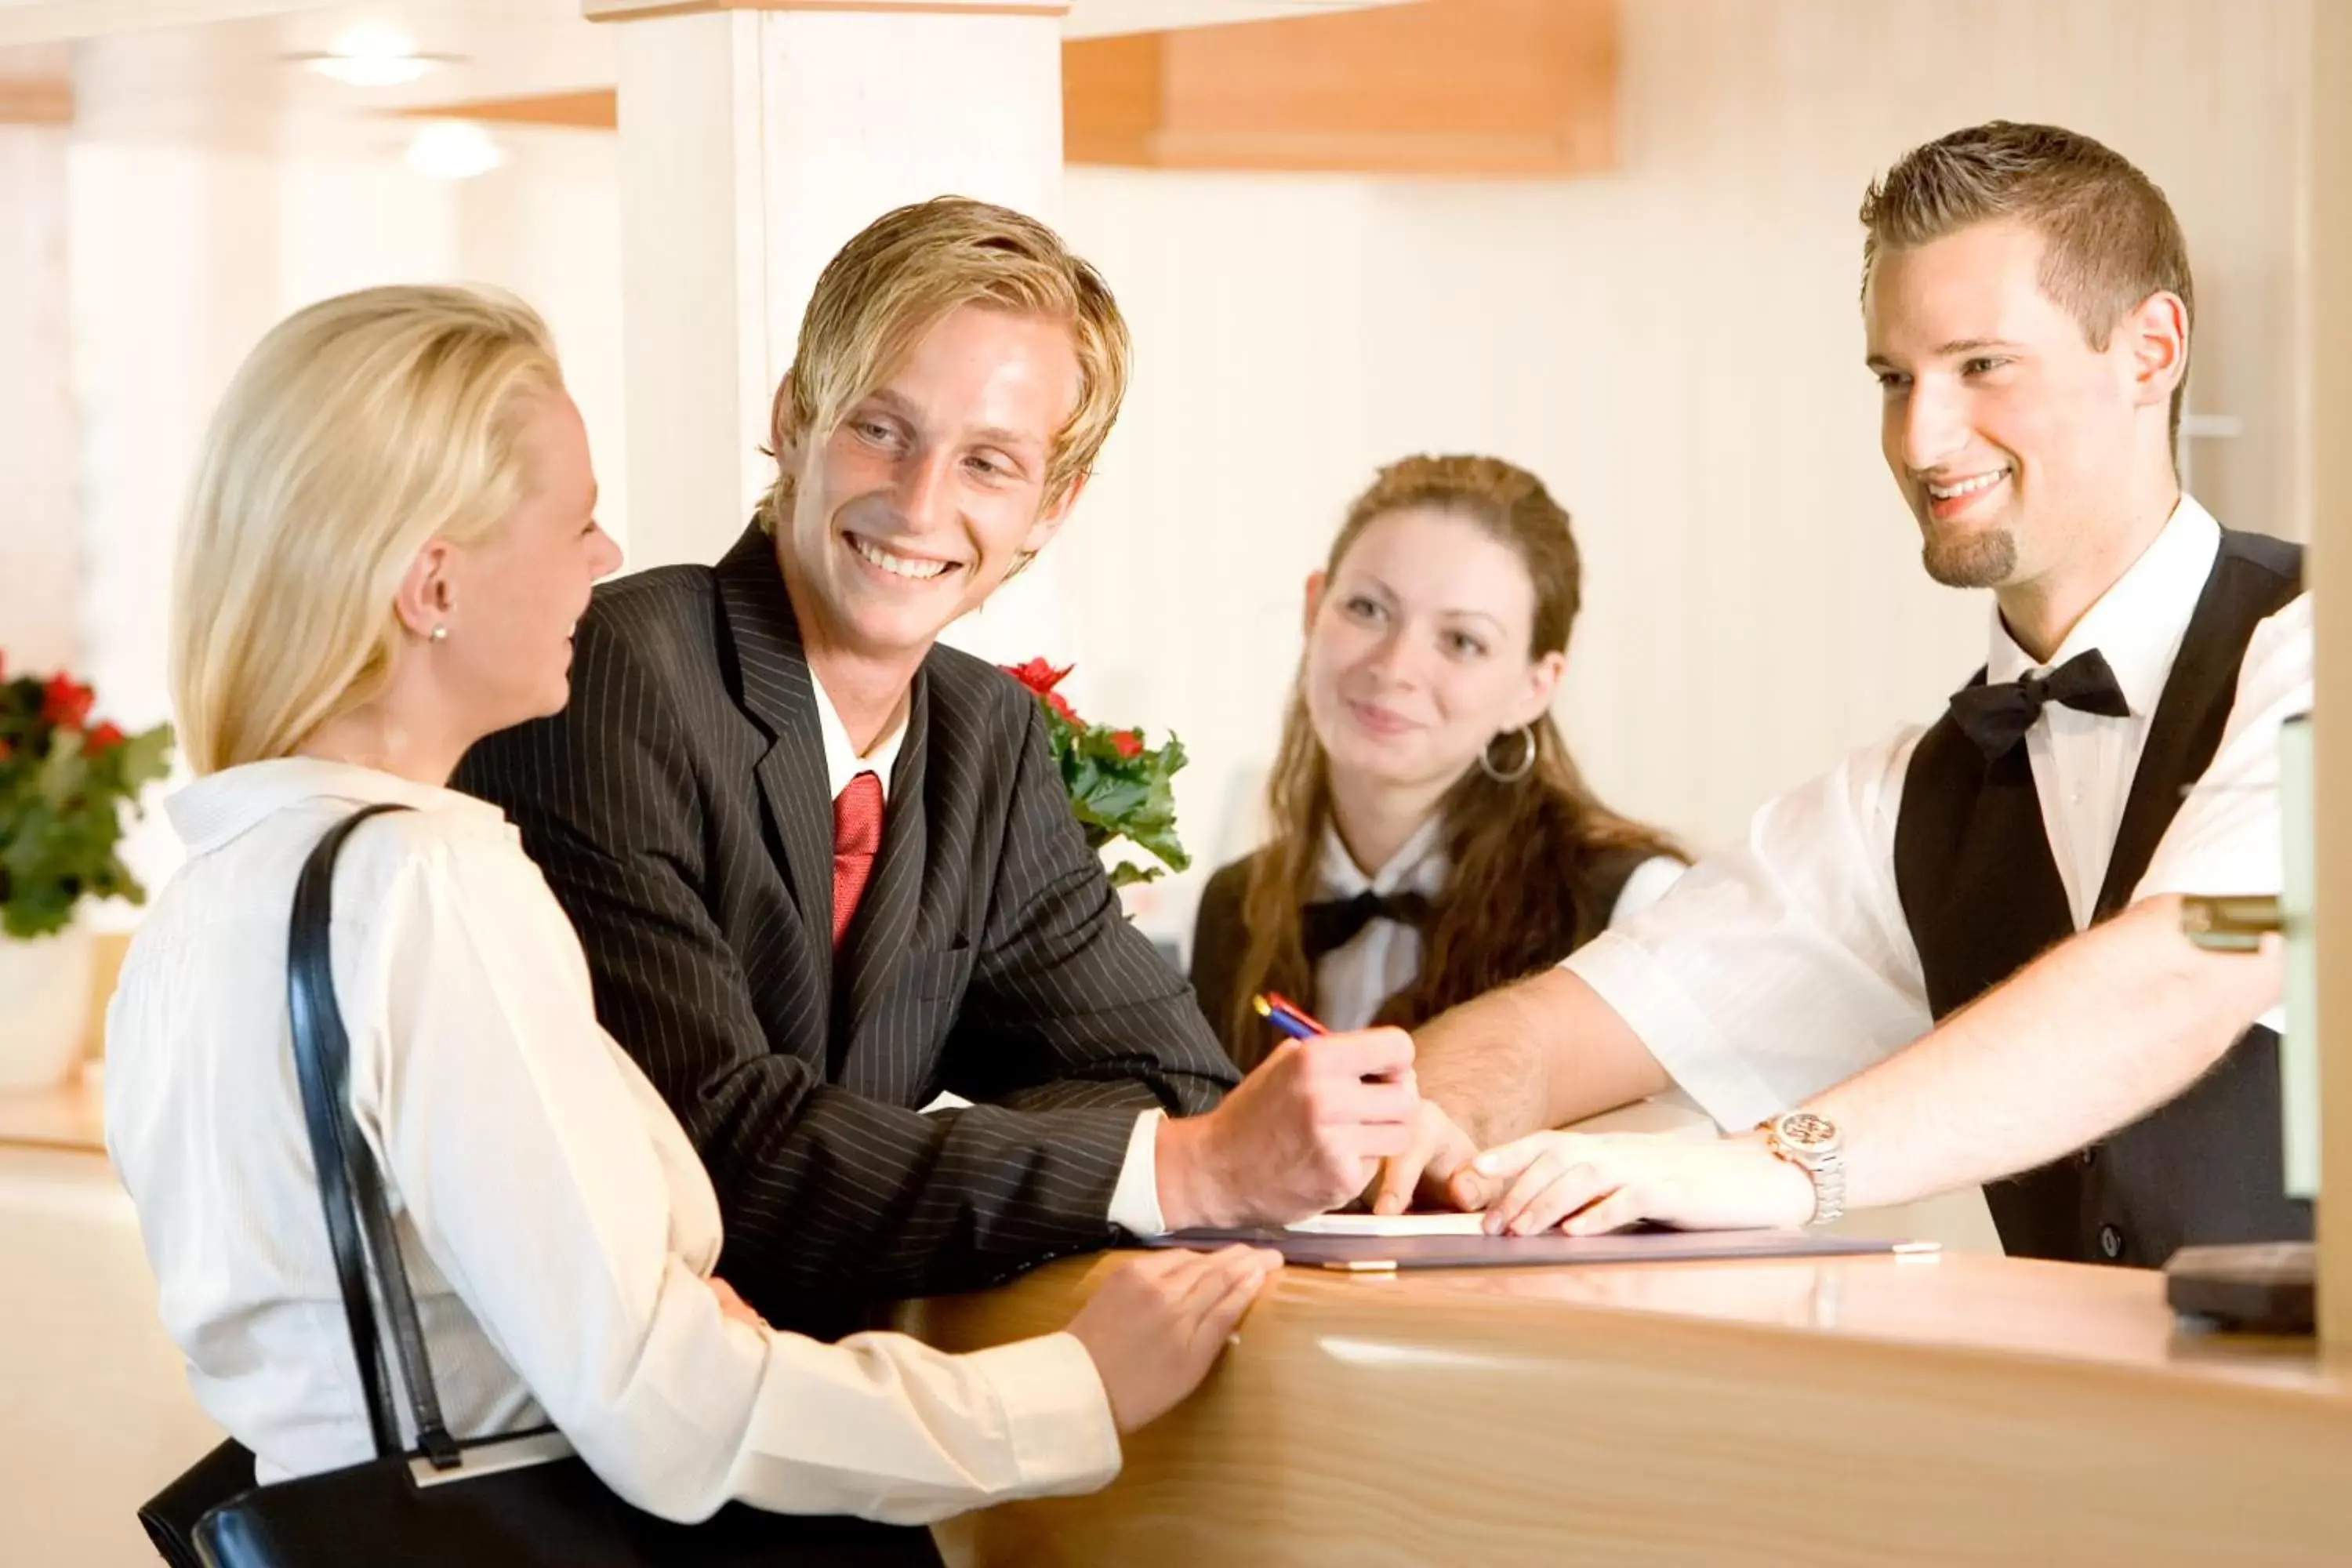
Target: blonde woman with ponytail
{"x": 391, "y": 534}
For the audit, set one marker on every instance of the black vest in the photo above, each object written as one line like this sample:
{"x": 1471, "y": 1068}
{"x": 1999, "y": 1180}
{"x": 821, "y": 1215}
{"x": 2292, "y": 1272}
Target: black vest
{"x": 1983, "y": 898}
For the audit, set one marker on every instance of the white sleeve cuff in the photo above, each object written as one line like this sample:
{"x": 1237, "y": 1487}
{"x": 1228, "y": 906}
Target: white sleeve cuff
{"x": 1055, "y": 1411}
{"x": 1135, "y": 1202}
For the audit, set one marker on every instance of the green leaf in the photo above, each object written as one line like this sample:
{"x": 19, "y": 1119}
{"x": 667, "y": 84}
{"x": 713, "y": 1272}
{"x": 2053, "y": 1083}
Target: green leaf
{"x": 63, "y": 773}
{"x": 1119, "y": 797}
{"x": 144, "y": 759}
{"x": 62, "y": 812}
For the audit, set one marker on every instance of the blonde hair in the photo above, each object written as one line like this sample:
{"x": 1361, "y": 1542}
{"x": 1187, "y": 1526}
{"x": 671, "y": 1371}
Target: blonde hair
{"x": 357, "y": 431}
{"x": 909, "y": 270}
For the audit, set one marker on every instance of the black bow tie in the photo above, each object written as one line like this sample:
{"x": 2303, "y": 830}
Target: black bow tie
{"x": 1996, "y": 717}
{"x": 1335, "y": 921}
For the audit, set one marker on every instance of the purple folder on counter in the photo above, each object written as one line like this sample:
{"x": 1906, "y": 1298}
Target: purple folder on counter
{"x": 1370, "y": 1253}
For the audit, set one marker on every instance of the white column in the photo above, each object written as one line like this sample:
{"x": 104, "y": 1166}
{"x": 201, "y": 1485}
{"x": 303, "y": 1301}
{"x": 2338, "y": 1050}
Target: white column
{"x": 39, "y": 542}
{"x": 754, "y": 144}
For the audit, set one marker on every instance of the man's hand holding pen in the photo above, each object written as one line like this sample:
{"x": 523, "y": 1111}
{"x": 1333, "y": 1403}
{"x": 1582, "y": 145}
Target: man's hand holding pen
{"x": 1303, "y": 1134}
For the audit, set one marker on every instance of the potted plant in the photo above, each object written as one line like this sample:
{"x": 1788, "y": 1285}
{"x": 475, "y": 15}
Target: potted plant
{"x": 1119, "y": 787}
{"x": 65, "y": 782}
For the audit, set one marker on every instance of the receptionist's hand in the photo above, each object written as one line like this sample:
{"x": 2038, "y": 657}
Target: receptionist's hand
{"x": 1588, "y": 1183}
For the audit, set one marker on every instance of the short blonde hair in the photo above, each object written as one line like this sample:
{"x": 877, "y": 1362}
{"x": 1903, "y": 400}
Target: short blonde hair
{"x": 909, "y": 270}
{"x": 359, "y": 429}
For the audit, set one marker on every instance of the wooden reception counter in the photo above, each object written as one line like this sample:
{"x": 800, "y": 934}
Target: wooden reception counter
{"x": 1950, "y": 1409}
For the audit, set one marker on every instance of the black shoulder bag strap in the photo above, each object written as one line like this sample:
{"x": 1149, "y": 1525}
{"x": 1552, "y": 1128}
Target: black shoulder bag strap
{"x": 349, "y": 1187}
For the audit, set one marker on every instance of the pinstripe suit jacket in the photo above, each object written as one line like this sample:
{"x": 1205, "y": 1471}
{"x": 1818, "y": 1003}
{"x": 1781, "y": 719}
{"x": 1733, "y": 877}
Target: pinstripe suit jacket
{"x": 681, "y": 811}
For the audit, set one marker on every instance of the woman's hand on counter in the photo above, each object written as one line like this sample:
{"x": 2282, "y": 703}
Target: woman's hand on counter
{"x": 1156, "y": 1324}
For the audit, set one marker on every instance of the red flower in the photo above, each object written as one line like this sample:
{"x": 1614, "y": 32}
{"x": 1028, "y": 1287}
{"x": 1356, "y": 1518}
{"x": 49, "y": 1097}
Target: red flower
{"x": 104, "y": 739}
{"x": 1036, "y": 674}
{"x": 65, "y": 702}
{"x": 1041, "y": 678}
{"x": 7, "y": 751}
{"x": 1127, "y": 743}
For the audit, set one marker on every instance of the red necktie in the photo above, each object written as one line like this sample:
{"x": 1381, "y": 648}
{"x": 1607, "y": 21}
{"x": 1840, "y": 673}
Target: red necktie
{"x": 857, "y": 835}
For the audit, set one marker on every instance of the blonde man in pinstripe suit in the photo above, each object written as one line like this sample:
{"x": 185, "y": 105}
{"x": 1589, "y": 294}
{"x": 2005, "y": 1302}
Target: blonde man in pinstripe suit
{"x": 825, "y": 869}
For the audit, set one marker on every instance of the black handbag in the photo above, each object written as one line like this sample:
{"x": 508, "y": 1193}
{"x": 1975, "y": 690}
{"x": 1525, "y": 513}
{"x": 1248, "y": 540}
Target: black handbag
{"x": 521, "y": 1500}
{"x": 169, "y": 1517}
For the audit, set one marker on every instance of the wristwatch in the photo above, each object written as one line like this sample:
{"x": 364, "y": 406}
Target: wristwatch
{"x": 1811, "y": 1142}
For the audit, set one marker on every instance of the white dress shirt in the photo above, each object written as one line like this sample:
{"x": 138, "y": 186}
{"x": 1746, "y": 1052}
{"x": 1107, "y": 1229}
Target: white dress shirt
{"x": 553, "y": 1219}
{"x": 1135, "y": 1198}
{"x": 1781, "y": 967}
{"x": 1355, "y": 978}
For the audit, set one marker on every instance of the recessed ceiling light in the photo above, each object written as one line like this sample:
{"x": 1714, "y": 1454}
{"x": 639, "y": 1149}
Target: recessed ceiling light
{"x": 453, "y": 150}
{"x": 372, "y": 57}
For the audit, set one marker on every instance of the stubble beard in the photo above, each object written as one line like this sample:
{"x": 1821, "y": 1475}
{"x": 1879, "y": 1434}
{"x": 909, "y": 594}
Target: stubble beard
{"x": 1984, "y": 560}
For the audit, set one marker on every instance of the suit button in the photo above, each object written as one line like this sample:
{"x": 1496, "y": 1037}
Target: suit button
{"x": 2111, "y": 1241}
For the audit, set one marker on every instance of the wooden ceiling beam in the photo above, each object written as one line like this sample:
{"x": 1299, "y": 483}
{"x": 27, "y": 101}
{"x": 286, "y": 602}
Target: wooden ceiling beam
{"x": 1516, "y": 88}
{"x": 35, "y": 101}
{"x": 1446, "y": 87}
{"x": 591, "y": 109}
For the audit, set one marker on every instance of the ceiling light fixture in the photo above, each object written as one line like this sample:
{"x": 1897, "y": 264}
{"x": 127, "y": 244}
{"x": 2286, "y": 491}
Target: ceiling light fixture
{"x": 372, "y": 57}
{"x": 453, "y": 150}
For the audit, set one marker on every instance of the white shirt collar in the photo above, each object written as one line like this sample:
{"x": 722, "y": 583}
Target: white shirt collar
{"x": 1419, "y": 865}
{"x": 841, "y": 763}
{"x": 2138, "y": 624}
{"x": 219, "y": 806}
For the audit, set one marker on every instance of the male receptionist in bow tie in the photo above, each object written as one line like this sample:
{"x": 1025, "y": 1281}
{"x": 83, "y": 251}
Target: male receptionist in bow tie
{"x": 1957, "y": 958}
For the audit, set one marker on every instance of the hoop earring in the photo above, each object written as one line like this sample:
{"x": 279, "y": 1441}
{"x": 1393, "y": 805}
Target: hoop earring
{"x": 1526, "y": 760}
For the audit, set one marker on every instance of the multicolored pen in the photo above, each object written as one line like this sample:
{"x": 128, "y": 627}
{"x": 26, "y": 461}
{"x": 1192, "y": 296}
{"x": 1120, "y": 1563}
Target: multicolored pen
{"x": 1292, "y": 1020}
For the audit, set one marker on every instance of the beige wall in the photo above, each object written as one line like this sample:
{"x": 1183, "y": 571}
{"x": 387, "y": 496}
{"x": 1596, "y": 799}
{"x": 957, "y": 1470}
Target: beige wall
{"x": 1675, "y": 347}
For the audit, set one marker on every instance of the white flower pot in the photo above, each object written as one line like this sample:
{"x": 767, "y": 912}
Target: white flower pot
{"x": 44, "y": 1000}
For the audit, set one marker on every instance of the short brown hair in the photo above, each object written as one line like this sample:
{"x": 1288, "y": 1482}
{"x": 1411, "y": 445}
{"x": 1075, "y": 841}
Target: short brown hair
{"x": 910, "y": 269}
{"x": 2110, "y": 239}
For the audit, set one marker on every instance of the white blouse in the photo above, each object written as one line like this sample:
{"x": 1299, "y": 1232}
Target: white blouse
{"x": 554, "y": 1220}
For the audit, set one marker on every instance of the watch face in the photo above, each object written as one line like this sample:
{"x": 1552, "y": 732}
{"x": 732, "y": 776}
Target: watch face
{"x": 1803, "y": 1130}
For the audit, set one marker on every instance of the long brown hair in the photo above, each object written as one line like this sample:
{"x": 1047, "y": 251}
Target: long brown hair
{"x": 1523, "y": 891}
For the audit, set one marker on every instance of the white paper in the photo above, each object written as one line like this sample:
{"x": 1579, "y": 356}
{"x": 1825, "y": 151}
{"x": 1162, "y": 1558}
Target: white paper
{"x": 1390, "y": 1225}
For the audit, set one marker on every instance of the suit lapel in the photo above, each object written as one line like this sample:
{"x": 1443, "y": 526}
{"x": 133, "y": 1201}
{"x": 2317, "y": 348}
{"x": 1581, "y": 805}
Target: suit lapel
{"x": 886, "y": 912}
{"x": 777, "y": 692}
